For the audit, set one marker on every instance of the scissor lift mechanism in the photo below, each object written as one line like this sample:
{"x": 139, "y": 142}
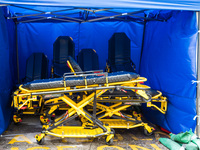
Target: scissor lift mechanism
{"x": 95, "y": 124}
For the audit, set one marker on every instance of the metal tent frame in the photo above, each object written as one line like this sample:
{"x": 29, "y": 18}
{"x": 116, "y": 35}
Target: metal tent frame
{"x": 53, "y": 15}
{"x": 83, "y": 17}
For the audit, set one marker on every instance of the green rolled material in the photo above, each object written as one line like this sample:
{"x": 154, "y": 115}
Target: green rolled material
{"x": 181, "y": 137}
{"x": 194, "y": 139}
{"x": 190, "y": 146}
{"x": 170, "y": 144}
{"x": 197, "y": 142}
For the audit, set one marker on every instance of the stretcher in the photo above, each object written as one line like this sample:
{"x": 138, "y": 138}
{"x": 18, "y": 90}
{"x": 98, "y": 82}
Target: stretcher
{"x": 77, "y": 91}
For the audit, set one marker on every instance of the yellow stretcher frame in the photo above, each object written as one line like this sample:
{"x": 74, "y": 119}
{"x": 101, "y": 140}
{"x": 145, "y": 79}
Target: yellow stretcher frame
{"x": 19, "y": 102}
{"x": 77, "y": 108}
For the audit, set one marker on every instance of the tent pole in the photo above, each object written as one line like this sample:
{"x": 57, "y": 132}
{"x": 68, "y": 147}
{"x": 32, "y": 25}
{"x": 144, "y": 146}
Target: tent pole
{"x": 198, "y": 76}
{"x": 17, "y": 54}
{"x": 144, "y": 28}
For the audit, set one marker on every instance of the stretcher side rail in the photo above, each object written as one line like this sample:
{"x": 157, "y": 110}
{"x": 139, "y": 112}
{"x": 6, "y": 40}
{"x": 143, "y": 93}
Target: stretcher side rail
{"x": 83, "y": 72}
{"x": 81, "y": 90}
{"x": 86, "y": 75}
{"x": 63, "y": 89}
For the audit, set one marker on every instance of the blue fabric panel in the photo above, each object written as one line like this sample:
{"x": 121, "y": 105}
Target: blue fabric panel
{"x": 142, "y": 4}
{"x": 39, "y": 37}
{"x": 96, "y": 35}
{"x": 169, "y": 64}
{"x": 7, "y": 69}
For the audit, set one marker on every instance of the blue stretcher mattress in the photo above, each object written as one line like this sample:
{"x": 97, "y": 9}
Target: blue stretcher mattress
{"x": 80, "y": 81}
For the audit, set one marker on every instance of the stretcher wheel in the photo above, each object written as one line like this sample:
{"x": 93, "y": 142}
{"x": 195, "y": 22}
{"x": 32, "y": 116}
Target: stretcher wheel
{"x": 16, "y": 119}
{"x": 110, "y": 142}
{"x": 16, "y": 123}
{"x": 147, "y": 133}
{"x": 44, "y": 120}
{"x": 41, "y": 142}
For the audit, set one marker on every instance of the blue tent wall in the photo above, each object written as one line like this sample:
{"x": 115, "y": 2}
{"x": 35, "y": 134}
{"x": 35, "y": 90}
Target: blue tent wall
{"x": 169, "y": 64}
{"x": 96, "y": 36}
{"x": 169, "y": 59}
{"x": 7, "y": 65}
{"x": 39, "y": 37}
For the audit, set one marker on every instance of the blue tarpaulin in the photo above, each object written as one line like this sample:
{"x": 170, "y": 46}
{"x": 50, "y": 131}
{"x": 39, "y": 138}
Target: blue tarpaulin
{"x": 7, "y": 71}
{"x": 148, "y": 4}
{"x": 87, "y": 35}
{"x": 169, "y": 64}
{"x": 168, "y": 56}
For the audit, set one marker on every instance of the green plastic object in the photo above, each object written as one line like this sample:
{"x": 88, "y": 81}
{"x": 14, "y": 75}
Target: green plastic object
{"x": 170, "y": 144}
{"x": 186, "y": 141}
{"x": 184, "y": 137}
{"x": 190, "y": 146}
{"x": 194, "y": 139}
{"x": 197, "y": 142}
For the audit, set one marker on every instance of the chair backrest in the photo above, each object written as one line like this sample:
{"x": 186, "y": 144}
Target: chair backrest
{"x": 36, "y": 67}
{"x": 63, "y": 47}
{"x": 88, "y": 59}
{"x": 119, "y": 53}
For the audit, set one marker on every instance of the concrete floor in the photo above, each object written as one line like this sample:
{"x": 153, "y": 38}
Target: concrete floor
{"x": 21, "y": 137}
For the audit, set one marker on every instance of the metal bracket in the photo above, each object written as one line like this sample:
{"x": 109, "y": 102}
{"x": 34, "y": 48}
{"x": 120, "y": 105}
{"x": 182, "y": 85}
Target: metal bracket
{"x": 47, "y": 13}
{"x": 193, "y": 81}
{"x": 198, "y": 123}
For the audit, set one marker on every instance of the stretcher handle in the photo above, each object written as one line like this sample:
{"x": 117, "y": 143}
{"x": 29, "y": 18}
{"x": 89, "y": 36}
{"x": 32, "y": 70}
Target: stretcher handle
{"x": 82, "y": 72}
{"x": 85, "y": 75}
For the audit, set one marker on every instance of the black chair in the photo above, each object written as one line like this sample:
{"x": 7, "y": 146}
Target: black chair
{"x": 88, "y": 60}
{"x": 119, "y": 54}
{"x": 36, "y": 67}
{"x": 63, "y": 47}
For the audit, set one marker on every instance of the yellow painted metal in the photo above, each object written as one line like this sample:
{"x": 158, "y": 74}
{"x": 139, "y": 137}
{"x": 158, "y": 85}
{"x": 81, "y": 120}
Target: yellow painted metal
{"x": 70, "y": 66}
{"x": 43, "y": 119}
{"x": 109, "y": 137}
{"x": 121, "y": 124}
{"x": 25, "y": 92}
{"x": 52, "y": 109}
{"x": 77, "y": 132}
{"x": 148, "y": 128}
{"x": 39, "y": 137}
{"x": 16, "y": 119}
{"x": 30, "y": 112}
{"x": 23, "y": 98}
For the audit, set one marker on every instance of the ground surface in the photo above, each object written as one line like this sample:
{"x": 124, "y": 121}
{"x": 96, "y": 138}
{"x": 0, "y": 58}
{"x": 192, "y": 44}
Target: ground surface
{"x": 21, "y": 137}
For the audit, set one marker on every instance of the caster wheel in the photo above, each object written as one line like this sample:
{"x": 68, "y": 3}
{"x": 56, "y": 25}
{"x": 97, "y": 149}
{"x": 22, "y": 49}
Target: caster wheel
{"x": 147, "y": 133}
{"x": 16, "y": 120}
{"x": 110, "y": 142}
{"x": 16, "y": 123}
{"x": 44, "y": 120}
{"x": 41, "y": 122}
{"x": 53, "y": 117}
{"x": 41, "y": 142}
